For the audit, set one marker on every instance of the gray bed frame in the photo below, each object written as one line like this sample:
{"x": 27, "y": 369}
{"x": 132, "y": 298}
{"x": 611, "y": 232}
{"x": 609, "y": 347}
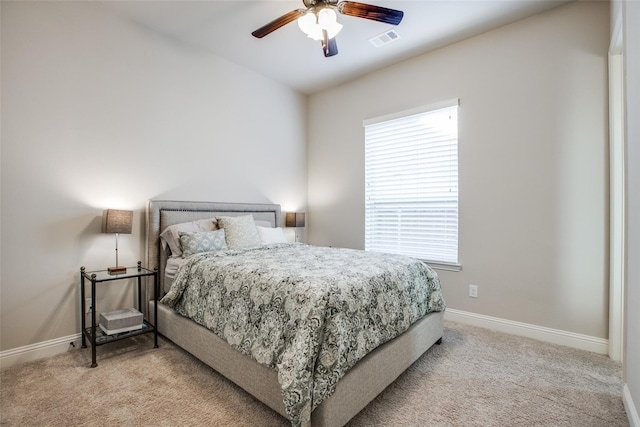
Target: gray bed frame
{"x": 354, "y": 391}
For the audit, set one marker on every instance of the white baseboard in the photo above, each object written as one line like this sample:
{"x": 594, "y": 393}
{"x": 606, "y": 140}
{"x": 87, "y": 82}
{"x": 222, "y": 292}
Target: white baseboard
{"x": 40, "y": 350}
{"x": 554, "y": 336}
{"x": 49, "y": 348}
{"x": 630, "y": 407}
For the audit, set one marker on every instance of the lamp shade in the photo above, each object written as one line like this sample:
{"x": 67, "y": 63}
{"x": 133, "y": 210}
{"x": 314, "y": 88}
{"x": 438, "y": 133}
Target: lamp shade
{"x": 328, "y": 20}
{"x": 117, "y": 221}
{"x": 313, "y": 23}
{"x": 294, "y": 219}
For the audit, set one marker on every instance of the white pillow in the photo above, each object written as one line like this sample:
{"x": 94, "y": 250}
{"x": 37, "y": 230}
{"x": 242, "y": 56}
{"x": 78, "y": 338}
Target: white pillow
{"x": 240, "y": 231}
{"x": 270, "y": 235}
{"x": 171, "y": 235}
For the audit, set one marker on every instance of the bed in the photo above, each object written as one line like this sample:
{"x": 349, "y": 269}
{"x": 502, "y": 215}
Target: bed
{"x": 348, "y": 394}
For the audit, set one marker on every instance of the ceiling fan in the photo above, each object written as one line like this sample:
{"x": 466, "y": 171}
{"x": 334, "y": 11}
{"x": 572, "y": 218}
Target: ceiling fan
{"x": 319, "y": 20}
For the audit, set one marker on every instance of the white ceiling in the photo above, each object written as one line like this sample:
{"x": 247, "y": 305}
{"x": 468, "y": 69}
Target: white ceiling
{"x": 288, "y": 56}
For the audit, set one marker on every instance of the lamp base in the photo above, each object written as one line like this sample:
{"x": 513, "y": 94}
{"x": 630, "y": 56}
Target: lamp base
{"x": 117, "y": 270}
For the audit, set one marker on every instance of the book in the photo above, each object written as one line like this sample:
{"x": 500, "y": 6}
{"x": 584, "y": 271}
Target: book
{"x": 119, "y": 321}
{"x": 121, "y": 330}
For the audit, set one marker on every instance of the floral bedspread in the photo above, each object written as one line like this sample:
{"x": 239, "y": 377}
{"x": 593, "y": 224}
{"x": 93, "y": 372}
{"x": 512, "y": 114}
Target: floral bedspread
{"x": 311, "y": 312}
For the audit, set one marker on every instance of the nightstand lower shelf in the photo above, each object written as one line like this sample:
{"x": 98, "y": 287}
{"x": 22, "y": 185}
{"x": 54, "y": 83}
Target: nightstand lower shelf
{"x": 103, "y": 338}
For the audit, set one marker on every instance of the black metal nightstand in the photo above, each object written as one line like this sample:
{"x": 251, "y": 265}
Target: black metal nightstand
{"x": 97, "y": 336}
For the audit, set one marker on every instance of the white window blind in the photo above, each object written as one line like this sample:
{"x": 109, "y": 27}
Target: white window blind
{"x": 411, "y": 184}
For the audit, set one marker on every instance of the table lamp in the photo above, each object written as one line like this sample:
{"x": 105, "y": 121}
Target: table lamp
{"x": 294, "y": 219}
{"x": 118, "y": 222}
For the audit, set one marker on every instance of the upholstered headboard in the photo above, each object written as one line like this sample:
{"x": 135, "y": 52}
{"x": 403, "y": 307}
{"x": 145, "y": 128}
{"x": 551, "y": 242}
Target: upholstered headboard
{"x": 163, "y": 213}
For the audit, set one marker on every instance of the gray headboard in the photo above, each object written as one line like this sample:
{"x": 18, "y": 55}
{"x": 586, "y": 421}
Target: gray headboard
{"x": 163, "y": 213}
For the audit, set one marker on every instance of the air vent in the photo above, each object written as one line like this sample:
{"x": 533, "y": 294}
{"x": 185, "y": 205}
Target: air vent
{"x": 384, "y": 38}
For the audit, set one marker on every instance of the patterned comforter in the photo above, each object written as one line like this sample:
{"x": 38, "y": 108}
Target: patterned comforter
{"x": 311, "y": 312}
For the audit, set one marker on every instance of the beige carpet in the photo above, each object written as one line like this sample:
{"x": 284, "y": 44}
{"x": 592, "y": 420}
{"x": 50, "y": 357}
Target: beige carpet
{"x": 475, "y": 378}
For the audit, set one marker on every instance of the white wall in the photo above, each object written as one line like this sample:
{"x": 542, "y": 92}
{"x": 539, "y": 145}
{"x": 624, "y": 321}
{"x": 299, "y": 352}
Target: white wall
{"x": 99, "y": 113}
{"x": 533, "y": 164}
{"x": 631, "y": 36}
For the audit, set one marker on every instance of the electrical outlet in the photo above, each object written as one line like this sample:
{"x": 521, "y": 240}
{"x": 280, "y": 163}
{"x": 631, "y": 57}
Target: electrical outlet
{"x": 473, "y": 291}
{"x": 87, "y": 305}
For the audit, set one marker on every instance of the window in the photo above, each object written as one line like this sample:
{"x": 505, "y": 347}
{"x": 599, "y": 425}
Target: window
{"x": 411, "y": 184}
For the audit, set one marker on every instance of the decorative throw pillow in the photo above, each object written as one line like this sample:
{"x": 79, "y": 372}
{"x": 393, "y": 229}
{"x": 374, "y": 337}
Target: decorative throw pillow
{"x": 270, "y": 235}
{"x": 205, "y": 241}
{"x": 171, "y": 235}
{"x": 240, "y": 231}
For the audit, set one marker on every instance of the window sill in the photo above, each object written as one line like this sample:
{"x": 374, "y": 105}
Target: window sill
{"x": 443, "y": 266}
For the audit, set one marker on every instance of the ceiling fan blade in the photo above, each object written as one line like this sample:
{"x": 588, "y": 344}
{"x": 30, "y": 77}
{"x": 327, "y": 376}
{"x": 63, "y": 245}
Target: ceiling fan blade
{"x": 278, "y": 22}
{"x": 329, "y": 46}
{"x": 369, "y": 11}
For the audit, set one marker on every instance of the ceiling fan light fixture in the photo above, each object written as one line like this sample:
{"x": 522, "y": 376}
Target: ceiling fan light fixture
{"x": 313, "y": 24}
{"x": 328, "y": 20}
{"x": 308, "y": 23}
{"x": 319, "y": 20}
